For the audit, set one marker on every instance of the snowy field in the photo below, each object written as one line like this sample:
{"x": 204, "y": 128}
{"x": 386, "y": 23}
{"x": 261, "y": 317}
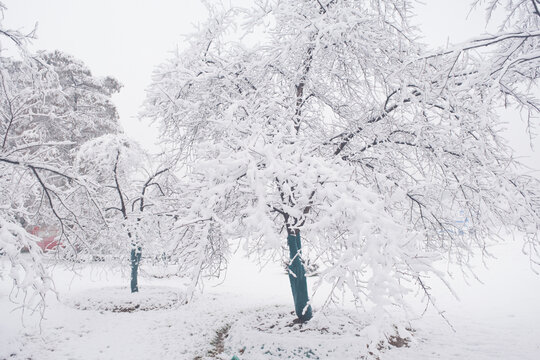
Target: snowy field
{"x": 249, "y": 315}
{"x": 365, "y": 129}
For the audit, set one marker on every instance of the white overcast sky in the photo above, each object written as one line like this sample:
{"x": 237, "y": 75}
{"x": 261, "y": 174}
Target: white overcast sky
{"x": 127, "y": 38}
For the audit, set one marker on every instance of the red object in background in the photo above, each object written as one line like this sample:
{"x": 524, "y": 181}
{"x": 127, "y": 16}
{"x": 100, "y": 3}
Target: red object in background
{"x": 48, "y": 237}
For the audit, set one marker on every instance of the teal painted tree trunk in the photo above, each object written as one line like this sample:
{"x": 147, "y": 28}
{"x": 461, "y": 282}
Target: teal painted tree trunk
{"x": 135, "y": 260}
{"x": 297, "y": 277}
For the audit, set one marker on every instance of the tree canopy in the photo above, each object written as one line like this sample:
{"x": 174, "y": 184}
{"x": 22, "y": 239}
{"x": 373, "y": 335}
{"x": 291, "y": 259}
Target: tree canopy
{"x": 329, "y": 118}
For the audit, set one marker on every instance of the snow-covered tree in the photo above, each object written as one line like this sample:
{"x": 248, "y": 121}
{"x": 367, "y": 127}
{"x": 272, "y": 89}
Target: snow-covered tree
{"x": 54, "y": 98}
{"x": 328, "y": 119}
{"x": 115, "y": 162}
{"x": 145, "y": 210}
{"x": 39, "y": 129}
{"x": 91, "y": 112}
{"x": 27, "y": 274}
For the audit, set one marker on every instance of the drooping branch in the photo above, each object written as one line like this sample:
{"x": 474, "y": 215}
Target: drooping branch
{"x": 49, "y": 197}
{"x": 40, "y": 167}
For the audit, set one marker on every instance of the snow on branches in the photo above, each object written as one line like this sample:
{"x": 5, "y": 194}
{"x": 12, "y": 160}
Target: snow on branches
{"x": 336, "y": 124}
{"x": 27, "y": 272}
{"x": 49, "y": 104}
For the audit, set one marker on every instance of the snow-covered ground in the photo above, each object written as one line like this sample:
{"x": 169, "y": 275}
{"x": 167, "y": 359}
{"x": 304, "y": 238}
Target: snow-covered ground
{"x": 249, "y": 315}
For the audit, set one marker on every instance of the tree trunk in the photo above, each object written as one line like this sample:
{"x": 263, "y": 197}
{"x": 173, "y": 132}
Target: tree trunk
{"x": 135, "y": 259}
{"x": 297, "y": 277}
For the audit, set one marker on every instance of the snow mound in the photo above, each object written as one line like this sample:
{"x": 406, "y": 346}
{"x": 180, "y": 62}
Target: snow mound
{"x": 272, "y": 333}
{"x": 120, "y": 299}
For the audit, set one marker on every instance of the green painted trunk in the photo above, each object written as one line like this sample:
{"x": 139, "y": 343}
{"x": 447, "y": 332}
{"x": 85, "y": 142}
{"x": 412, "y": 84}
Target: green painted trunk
{"x": 297, "y": 277}
{"x": 135, "y": 260}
